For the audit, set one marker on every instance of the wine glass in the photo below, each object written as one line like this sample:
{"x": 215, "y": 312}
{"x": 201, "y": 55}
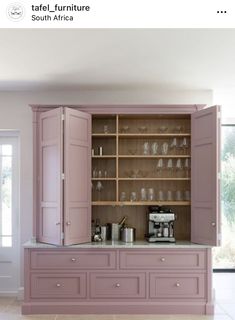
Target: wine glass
{"x": 159, "y": 167}
{"x": 146, "y": 149}
{"x": 170, "y": 167}
{"x": 187, "y": 167}
{"x": 174, "y": 144}
{"x": 178, "y": 167}
{"x": 164, "y": 148}
{"x": 154, "y": 148}
{"x": 151, "y": 194}
{"x": 184, "y": 145}
{"x": 99, "y": 188}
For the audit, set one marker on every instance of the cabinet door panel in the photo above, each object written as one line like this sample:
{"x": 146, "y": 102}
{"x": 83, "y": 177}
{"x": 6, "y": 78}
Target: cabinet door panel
{"x": 50, "y": 169}
{"x": 205, "y": 184}
{"x": 77, "y": 187}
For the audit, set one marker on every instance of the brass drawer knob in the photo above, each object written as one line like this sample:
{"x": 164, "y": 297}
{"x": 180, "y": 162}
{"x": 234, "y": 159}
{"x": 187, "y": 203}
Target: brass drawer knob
{"x": 117, "y": 285}
{"x": 58, "y": 285}
{"x": 177, "y": 285}
{"x": 163, "y": 259}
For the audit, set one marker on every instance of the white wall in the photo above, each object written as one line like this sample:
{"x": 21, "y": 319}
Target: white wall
{"x": 15, "y": 114}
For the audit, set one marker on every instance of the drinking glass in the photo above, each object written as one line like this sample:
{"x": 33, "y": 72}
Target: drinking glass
{"x": 184, "y": 145}
{"x": 178, "y": 167}
{"x": 99, "y": 188}
{"x": 106, "y": 128}
{"x": 133, "y": 196}
{"x": 187, "y": 195}
{"x": 123, "y": 196}
{"x": 151, "y": 194}
{"x": 174, "y": 144}
{"x": 170, "y": 167}
{"x": 169, "y": 195}
{"x": 94, "y": 173}
{"x": 160, "y": 195}
{"x": 142, "y": 129}
{"x": 187, "y": 167}
{"x": 178, "y": 195}
{"x": 163, "y": 129}
{"x": 154, "y": 148}
{"x": 146, "y": 149}
{"x": 100, "y": 174}
{"x": 164, "y": 148}
{"x": 143, "y": 194}
{"x": 159, "y": 166}
{"x": 178, "y": 129}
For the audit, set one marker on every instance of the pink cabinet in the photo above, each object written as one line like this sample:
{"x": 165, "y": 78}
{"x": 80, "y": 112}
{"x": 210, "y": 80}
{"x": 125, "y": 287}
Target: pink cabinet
{"x": 71, "y": 259}
{"x": 58, "y": 286}
{"x": 167, "y": 259}
{"x": 117, "y": 285}
{"x": 177, "y": 286}
{"x": 56, "y": 283}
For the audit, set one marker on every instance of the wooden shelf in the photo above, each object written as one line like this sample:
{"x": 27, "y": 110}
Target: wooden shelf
{"x": 104, "y": 157}
{"x": 154, "y": 156}
{"x": 141, "y": 203}
{"x": 103, "y": 135}
{"x": 103, "y": 179}
{"x": 154, "y": 135}
{"x": 153, "y": 179}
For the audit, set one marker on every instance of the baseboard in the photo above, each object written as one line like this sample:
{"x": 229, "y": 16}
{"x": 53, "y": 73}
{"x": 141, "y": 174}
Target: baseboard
{"x": 8, "y": 293}
{"x": 20, "y": 294}
{"x": 113, "y": 308}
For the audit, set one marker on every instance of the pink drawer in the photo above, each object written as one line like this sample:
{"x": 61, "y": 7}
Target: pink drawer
{"x": 167, "y": 259}
{"x": 58, "y": 286}
{"x": 67, "y": 259}
{"x": 117, "y": 285}
{"x": 174, "y": 286}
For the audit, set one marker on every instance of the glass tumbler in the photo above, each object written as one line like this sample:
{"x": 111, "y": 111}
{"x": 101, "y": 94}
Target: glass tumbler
{"x": 151, "y": 194}
{"x": 143, "y": 194}
{"x": 133, "y": 196}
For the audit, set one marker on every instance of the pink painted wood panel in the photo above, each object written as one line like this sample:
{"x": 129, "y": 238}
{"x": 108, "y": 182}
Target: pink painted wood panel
{"x": 47, "y": 285}
{"x": 177, "y": 286}
{"x": 205, "y": 220}
{"x": 50, "y": 169}
{"x": 167, "y": 259}
{"x": 66, "y": 259}
{"x": 117, "y": 285}
{"x": 77, "y": 168}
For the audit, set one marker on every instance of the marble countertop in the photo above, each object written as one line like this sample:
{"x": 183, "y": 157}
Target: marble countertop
{"x": 119, "y": 245}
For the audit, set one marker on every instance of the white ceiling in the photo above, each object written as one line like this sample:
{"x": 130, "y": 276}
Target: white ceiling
{"x": 35, "y": 59}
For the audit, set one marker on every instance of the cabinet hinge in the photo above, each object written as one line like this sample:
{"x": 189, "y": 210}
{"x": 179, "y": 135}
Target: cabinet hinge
{"x": 62, "y": 235}
{"x": 62, "y": 117}
{"x": 62, "y": 176}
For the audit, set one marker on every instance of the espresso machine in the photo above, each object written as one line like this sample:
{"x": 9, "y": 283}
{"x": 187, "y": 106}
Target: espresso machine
{"x": 160, "y": 224}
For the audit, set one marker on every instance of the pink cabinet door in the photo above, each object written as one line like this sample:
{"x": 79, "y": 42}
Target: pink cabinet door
{"x": 173, "y": 286}
{"x": 117, "y": 285}
{"x": 47, "y": 285}
{"x": 77, "y": 183}
{"x": 50, "y": 183}
{"x": 205, "y": 141}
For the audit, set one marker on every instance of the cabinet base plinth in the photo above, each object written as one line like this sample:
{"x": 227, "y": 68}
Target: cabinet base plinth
{"x": 118, "y": 308}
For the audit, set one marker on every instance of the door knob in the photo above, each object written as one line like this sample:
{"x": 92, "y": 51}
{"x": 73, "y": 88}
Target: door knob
{"x": 177, "y": 285}
{"x": 58, "y": 285}
{"x": 213, "y": 224}
{"x": 117, "y": 285}
{"x": 163, "y": 259}
{"x": 68, "y": 223}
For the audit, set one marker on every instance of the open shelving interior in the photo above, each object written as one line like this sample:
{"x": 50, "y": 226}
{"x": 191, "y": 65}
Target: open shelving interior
{"x": 123, "y": 164}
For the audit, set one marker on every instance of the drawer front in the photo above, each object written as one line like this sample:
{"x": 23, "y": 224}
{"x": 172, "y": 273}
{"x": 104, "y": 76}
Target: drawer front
{"x": 117, "y": 285}
{"x": 58, "y": 286}
{"x": 177, "y": 286}
{"x": 162, "y": 259}
{"x": 47, "y": 259}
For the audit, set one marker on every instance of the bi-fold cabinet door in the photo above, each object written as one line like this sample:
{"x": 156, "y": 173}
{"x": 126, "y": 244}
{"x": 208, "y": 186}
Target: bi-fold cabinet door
{"x": 205, "y": 176}
{"x": 64, "y": 176}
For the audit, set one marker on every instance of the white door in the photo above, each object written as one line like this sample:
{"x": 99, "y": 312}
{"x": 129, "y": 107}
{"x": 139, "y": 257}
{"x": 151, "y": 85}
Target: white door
{"x": 9, "y": 213}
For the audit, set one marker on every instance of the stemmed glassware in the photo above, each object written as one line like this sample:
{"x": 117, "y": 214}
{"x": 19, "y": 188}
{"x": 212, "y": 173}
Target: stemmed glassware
{"x": 187, "y": 167}
{"x": 159, "y": 167}
{"x": 99, "y": 188}
{"x": 174, "y": 144}
{"x": 170, "y": 167}
{"x": 184, "y": 145}
{"x": 165, "y": 148}
{"x": 178, "y": 167}
{"x": 146, "y": 148}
